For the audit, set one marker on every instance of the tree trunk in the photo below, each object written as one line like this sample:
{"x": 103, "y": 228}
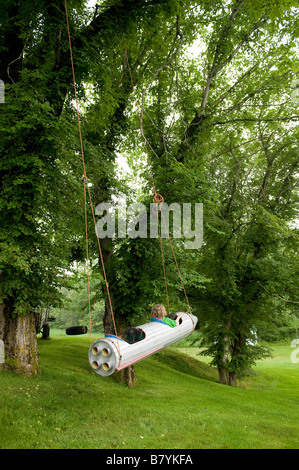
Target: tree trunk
{"x": 127, "y": 376}
{"x": 223, "y": 376}
{"x": 222, "y": 369}
{"x": 226, "y": 377}
{"x": 46, "y": 331}
{"x": 20, "y": 343}
{"x": 233, "y": 378}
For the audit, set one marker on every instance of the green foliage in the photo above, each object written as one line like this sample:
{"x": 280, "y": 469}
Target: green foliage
{"x": 221, "y": 129}
{"x": 34, "y": 237}
{"x": 74, "y": 308}
{"x": 284, "y": 326}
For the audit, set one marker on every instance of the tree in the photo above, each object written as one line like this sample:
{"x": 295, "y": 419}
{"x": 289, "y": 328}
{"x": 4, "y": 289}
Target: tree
{"x": 39, "y": 166}
{"x": 250, "y": 261}
{"x": 35, "y": 239}
{"x": 236, "y": 148}
{"x": 199, "y": 116}
{"x": 252, "y": 246}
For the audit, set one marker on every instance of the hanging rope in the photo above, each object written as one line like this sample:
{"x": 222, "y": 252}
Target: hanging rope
{"x": 86, "y": 187}
{"x": 158, "y": 198}
{"x": 176, "y": 262}
{"x": 164, "y": 271}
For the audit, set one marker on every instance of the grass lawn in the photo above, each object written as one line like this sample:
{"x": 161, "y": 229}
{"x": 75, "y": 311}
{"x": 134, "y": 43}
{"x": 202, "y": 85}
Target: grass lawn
{"x": 178, "y": 403}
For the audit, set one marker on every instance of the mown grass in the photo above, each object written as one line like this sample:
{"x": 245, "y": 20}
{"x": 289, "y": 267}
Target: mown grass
{"x": 177, "y": 404}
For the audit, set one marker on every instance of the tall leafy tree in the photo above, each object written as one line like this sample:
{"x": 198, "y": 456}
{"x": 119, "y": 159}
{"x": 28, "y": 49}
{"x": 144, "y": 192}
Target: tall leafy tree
{"x": 200, "y": 117}
{"x": 40, "y": 169}
{"x": 228, "y": 135}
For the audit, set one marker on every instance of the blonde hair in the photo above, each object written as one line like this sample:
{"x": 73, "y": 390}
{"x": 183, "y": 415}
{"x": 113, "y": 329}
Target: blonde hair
{"x": 158, "y": 311}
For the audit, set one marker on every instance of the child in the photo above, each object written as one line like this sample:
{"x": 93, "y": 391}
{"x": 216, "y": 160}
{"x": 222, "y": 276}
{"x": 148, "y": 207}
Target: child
{"x": 159, "y": 311}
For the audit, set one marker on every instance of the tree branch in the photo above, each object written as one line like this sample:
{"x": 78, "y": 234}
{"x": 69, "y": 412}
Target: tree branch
{"x": 287, "y": 118}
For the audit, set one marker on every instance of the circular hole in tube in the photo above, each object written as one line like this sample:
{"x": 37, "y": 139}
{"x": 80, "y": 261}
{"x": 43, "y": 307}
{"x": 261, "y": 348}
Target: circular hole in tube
{"x": 95, "y": 350}
{"x": 95, "y": 365}
{"x": 106, "y": 366}
{"x": 105, "y": 352}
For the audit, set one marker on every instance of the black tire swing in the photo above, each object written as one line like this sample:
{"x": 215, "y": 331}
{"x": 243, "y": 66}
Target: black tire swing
{"x": 76, "y": 330}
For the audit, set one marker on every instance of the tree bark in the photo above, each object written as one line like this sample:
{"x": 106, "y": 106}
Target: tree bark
{"x": 127, "y": 376}
{"x": 232, "y": 379}
{"x": 222, "y": 369}
{"x": 18, "y": 334}
{"x": 223, "y": 376}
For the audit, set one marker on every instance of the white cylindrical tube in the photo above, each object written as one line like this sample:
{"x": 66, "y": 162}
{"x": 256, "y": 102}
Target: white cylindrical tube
{"x": 110, "y": 354}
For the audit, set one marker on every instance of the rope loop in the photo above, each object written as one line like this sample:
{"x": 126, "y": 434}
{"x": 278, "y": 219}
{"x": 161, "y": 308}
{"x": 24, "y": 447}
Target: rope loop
{"x": 158, "y": 198}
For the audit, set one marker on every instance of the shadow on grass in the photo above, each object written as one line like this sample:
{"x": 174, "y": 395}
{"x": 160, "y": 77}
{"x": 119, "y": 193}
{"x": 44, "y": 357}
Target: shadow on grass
{"x": 187, "y": 364}
{"x": 68, "y": 354}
